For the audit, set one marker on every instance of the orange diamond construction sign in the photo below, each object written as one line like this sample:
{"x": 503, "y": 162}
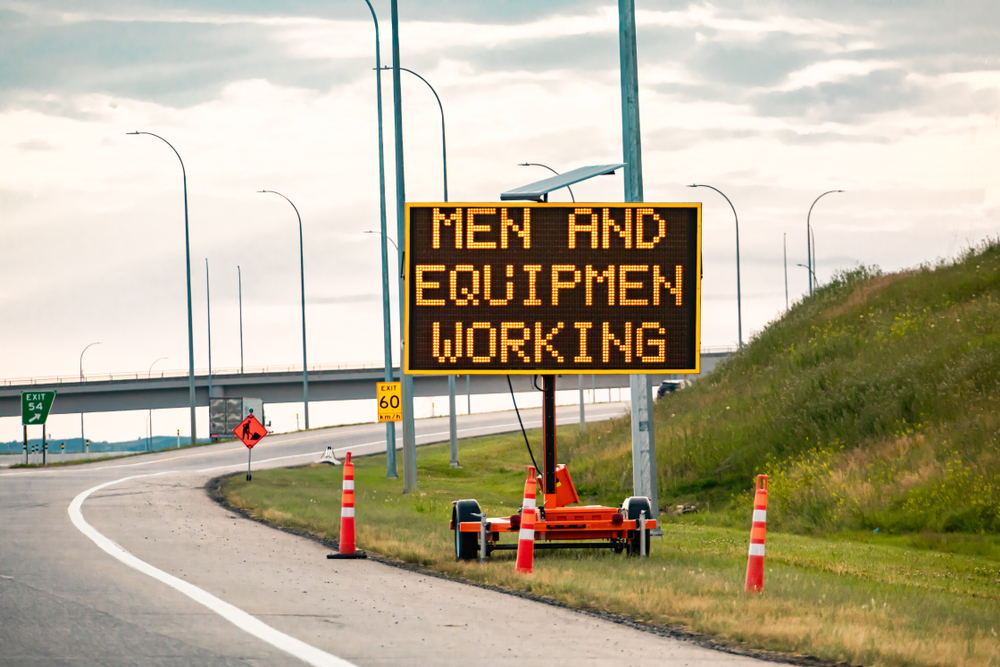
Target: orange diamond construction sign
{"x": 250, "y": 431}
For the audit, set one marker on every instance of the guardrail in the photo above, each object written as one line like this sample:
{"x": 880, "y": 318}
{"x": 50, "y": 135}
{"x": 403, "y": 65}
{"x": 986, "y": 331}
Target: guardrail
{"x": 247, "y": 370}
{"x": 251, "y": 370}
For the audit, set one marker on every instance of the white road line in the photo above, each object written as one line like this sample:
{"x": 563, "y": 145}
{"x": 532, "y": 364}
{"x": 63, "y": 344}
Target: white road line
{"x": 242, "y": 620}
{"x": 278, "y": 458}
{"x": 88, "y": 469}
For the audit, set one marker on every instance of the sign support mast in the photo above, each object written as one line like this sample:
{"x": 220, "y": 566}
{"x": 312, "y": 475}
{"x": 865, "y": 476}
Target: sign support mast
{"x": 643, "y": 432}
{"x": 406, "y": 380}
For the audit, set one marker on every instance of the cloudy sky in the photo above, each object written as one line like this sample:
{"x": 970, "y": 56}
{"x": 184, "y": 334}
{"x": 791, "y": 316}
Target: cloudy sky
{"x": 773, "y": 103}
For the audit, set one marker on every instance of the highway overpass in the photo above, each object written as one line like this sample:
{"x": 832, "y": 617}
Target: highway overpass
{"x": 144, "y": 391}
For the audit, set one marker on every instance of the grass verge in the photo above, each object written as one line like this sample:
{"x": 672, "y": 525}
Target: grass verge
{"x": 872, "y": 602}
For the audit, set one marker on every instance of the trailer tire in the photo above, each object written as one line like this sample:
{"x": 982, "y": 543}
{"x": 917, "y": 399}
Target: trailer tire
{"x": 631, "y": 508}
{"x": 466, "y": 544}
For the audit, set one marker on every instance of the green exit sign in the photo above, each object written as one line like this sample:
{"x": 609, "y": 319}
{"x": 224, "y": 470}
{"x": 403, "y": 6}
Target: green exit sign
{"x": 35, "y": 406}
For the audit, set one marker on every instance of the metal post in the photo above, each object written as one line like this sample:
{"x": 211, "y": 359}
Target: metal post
{"x": 187, "y": 257}
{"x": 483, "y": 523}
{"x": 302, "y": 277}
{"x": 409, "y": 438}
{"x": 583, "y": 416}
{"x": 809, "y": 243}
{"x": 249, "y": 456}
{"x": 26, "y": 444}
{"x": 390, "y": 427}
{"x": 208, "y": 301}
{"x": 43, "y": 444}
{"x": 452, "y": 422}
{"x": 150, "y": 374}
{"x": 549, "y": 432}
{"x": 643, "y": 432}
{"x": 642, "y": 533}
{"x": 239, "y": 276}
{"x": 739, "y": 307}
{"x": 82, "y": 438}
{"x": 178, "y": 439}
{"x": 468, "y": 393}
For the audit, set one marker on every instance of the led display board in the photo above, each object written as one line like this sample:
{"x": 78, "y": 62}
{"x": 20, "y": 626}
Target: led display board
{"x": 552, "y": 288}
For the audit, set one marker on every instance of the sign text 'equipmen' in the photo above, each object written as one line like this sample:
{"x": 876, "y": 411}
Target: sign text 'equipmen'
{"x": 552, "y": 288}
{"x": 35, "y": 407}
{"x": 389, "y": 396}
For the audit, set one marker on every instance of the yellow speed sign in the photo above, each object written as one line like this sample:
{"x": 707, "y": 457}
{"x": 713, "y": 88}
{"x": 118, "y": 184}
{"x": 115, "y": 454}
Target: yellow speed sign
{"x": 390, "y": 400}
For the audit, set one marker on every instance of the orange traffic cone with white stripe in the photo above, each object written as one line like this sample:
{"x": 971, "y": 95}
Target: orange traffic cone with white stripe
{"x": 347, "y": 545}
{"x": 755, "y": 562}
{"x": 526, "y": 537}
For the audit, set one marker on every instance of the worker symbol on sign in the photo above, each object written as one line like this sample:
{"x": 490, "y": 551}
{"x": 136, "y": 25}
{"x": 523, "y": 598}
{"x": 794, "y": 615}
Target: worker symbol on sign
{"x": 250, "y": 431}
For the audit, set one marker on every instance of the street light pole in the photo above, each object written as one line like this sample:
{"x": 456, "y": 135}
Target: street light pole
{"x": 409, "y": 436}
{"x": 208, "y": 301}
{"x": 739, "y": 308}
{"x": 83, "y": 440}
{"x": 453, "y": 418}
{"x": 390, "y": 427}
{"x": 643, "y": 425}
{"x": 583, "y": 415}
{"x": 444, "y": 143}
{"x": 812, "y": 274}
{"x": 302, "y": 277}
{"x": 239, "y": 277}
{"x": 809, "y": 243}
{"x": 150, "y": 375}
{"x": 187, "y": 251}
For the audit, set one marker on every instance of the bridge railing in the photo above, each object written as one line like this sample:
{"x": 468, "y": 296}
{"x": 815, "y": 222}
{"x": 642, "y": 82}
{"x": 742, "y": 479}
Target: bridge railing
{"x": 247, "y": 370}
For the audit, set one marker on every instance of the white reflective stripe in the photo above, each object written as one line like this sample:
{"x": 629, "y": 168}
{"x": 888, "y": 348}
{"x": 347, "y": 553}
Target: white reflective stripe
{"x": 759, "y": 515}
{"x": 529, "y": 503}
{"x": 526, "y": 534}
{"x": 239, "y": 618}
{"x": 756, "y": 549}
{"x": 349, "y": 486}
{"x": 347, "y": 512}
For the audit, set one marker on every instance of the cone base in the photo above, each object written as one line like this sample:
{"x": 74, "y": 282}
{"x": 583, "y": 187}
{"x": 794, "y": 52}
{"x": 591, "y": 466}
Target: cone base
{"x": 357, "y": 555}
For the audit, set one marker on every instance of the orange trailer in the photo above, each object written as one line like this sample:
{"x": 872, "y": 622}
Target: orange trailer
{"x": 559, "y": 522}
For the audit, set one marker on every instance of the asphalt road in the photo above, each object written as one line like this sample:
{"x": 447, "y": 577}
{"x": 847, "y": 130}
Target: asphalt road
{"x": 130, "y": 563}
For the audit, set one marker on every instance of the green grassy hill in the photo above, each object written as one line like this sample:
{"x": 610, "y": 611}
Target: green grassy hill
{"x": 871, "y": 405}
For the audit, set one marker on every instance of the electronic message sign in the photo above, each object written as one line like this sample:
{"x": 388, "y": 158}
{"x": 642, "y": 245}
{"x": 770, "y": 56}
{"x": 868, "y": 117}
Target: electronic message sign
{"x": 552, "y": 288}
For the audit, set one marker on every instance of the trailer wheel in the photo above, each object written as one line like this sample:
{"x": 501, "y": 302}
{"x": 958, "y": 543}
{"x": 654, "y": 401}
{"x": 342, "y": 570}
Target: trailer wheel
{"x": 631, "y": 508}
{"x": 466, "y": 544}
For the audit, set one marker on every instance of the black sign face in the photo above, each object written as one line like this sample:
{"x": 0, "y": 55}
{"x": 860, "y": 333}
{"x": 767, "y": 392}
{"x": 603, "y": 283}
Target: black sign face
{"x": 553, "y": 288}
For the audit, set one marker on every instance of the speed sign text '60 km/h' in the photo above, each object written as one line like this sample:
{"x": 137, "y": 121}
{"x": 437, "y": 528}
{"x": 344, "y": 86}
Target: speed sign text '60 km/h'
{"x": 389, "y": 396}
{"x": 35, "y": 406}
{"x": 552, "y": 288}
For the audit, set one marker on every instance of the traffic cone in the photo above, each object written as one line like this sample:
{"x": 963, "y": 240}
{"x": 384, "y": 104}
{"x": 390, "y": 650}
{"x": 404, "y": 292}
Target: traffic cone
{"x": 755, "y": 562}
{"x": 526, "y": 538}
{"x": 347, "y": 545}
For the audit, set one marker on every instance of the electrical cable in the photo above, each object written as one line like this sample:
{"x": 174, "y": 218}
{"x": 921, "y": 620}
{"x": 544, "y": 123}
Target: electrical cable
{"x": 523, "y": 432}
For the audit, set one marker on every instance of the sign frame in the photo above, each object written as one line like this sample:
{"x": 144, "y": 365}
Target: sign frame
{"x": 47, "y": 404}
{"x": 695, "y": 369}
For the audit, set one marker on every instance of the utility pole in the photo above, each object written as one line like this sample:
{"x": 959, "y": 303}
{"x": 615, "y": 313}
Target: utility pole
{"x": 643, "y": 433}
